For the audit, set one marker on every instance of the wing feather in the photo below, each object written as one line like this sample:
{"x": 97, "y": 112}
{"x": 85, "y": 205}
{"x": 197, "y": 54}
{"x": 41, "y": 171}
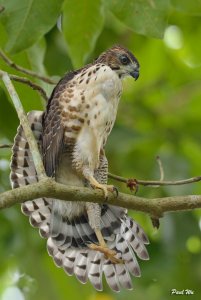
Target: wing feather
{"x": 52, "y": 137}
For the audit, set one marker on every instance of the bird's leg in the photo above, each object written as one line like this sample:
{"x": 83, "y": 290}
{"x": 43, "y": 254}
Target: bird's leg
{"x": 104, "y": 187}
{"x": 94, "y": 216}
{"x": 103, "y": 248}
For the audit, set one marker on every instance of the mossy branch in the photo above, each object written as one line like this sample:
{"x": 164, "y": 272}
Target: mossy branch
{"x": 49, "y": 188}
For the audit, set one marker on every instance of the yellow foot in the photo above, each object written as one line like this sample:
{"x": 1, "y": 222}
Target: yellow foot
{"x": 104, "y": 187}
{"x": 108, "y": 253}
{"x": 107, "y": 188}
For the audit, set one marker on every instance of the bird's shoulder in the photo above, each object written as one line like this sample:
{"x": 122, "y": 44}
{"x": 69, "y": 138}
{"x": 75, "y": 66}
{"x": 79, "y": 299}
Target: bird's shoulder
{"x": 86, "y": 78}
{"x": 95, "y": 72}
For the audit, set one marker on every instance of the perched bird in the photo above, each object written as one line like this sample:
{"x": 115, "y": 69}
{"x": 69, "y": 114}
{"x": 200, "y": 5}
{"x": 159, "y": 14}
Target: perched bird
{"x": 85, "y": 239}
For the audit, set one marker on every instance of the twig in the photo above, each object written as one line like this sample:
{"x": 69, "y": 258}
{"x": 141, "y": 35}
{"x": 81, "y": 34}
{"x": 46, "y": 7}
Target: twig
{"x": 49, "y": 188}
{"x": 5, "y": 146}
{"x": 155, "y": 221}
{"x": 30, "y": 83}
{"x": 160, "y": 168}
{"x": 25, "y": 124}
{"x": 9, "y": 62}
{"x": 156, "y": 182}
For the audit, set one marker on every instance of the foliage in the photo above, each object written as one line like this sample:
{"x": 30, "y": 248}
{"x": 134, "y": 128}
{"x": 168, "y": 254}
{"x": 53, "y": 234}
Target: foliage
{"x": 159, "y": 115}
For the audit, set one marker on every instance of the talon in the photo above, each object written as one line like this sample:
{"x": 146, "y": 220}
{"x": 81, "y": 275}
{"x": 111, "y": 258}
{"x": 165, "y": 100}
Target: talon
{"x": 105, "y": 191}
{"x": 115, "y": 189}
{"x": 132, "y": 184}
{"x": 115, "y": 260}
{"x": 104, "y": 187}
{"x": 103, "y": 248}
{"x": 108, "y": 253}
{"x": 106, "y": 198}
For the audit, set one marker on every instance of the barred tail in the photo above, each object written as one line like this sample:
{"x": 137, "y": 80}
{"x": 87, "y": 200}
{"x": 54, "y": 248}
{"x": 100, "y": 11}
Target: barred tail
{"x": 23, "y": 172}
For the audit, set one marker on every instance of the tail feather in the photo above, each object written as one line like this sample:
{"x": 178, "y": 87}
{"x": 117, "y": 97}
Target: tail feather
{"x": 22, "y": 157}
{"x": 110, "y": 275}
{"x": 80, "y": 266}
{"x": 134, "y": 240}
{"x": 61, "y": 239}
{"x": 23, "y": 172}
{"x": 68, "y": 261}
{"x": 115, "y": 222}
{"x": 44, "y": 230}
{"x": 77, "y": 234}
{"x": 39, "y": 212}
{"x": 107, "y": 224}
{"x": 128, "y": 256}
{"x": 55, "y": 252}
{"x": 123, "y": 275}
{"x": 136, "y": 228}
{"x": 88, "y": 231}
{"x": 82, "y": 234}
{"x": 95, "y": 262}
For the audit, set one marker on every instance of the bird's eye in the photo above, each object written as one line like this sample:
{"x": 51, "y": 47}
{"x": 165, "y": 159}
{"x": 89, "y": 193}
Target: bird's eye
{"x": 124, "y": 60}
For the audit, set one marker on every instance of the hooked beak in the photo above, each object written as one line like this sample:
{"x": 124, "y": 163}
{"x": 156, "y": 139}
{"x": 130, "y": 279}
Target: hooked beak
{"x": 135, "y": 74}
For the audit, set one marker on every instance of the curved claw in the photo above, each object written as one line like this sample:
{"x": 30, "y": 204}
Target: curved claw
{"x": 104, "y": 187}
{"x": 116, "y": 191}
{"x": 113, "y": 189}
{"x": 108, "y": 253}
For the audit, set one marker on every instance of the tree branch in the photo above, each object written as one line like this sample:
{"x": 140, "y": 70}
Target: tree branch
{"x": 49, "y": 188}
{"x": 10, "y": 63}
{"x": 2, "y": 146}
{"x": 30, "y": 83}
{"x": 25, "y": 124}
{"x": 155, "y": 182}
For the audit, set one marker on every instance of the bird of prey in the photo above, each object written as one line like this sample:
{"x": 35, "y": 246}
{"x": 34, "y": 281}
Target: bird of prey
{"x": 85, "y": 239}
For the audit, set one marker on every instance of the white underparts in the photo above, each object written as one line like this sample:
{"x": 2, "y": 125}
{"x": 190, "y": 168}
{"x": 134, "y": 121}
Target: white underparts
{"x": 94, "y": 98}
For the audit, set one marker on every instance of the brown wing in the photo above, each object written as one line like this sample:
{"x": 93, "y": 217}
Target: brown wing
{"x": 52, "y": 139}
{"x": 53, "y": 131}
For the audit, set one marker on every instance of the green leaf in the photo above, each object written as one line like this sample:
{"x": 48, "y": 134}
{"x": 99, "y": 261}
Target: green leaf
{"x": 142, "y": 16}
{"x": 36, "y": 55}
{"x": 26, "y": 21}
{"x": 3, "y": 36}
{"x": 83, "y": 22}
{"x": 187, "y": 6}
{"x": 7, "y": 116}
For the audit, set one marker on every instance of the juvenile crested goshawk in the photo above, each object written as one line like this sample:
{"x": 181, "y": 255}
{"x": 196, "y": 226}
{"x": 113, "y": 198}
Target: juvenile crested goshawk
{"x": 85, "y": 239}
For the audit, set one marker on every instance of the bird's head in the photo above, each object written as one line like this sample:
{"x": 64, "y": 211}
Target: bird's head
{"x": 121, "y": 60}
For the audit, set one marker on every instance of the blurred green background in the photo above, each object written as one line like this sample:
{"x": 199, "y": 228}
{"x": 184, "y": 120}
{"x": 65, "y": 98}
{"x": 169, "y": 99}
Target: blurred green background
{"x": 160, "y": 114}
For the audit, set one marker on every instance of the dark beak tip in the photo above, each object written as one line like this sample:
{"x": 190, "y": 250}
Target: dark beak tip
{"x": 135, "y": 74}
